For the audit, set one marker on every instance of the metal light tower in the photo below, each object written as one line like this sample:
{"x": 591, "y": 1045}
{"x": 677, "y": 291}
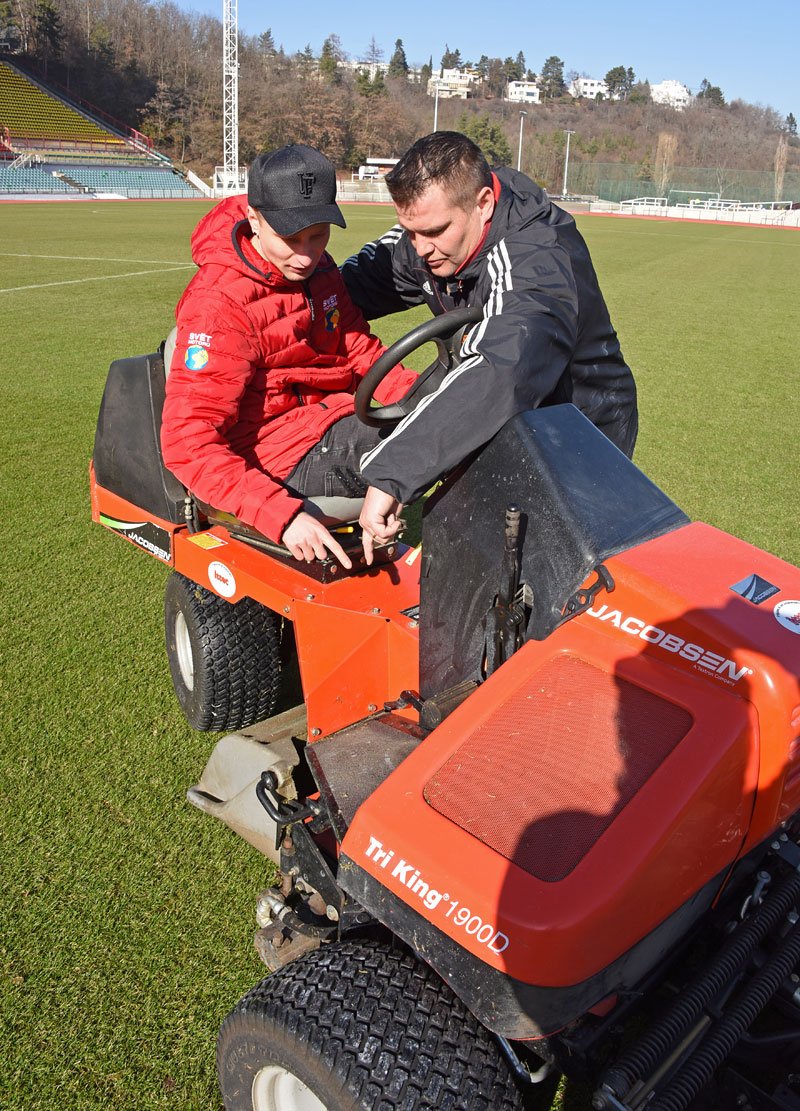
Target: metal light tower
{"x": 522, "y": 116}
{"x": 436, "y": 108}
{"x": 566, "y": 163}
{"x": 231, "y": 182}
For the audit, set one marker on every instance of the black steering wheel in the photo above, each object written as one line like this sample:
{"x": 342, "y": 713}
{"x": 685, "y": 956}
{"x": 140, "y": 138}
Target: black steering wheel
{"x": 447, "y": 332}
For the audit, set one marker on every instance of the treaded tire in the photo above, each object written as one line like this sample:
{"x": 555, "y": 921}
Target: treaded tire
{"x": 366, "y": 1028}
{"x": 224, "y": 659}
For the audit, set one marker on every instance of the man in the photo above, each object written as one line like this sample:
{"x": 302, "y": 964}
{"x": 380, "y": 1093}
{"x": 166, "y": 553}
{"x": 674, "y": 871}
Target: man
{"x": 269, "y": 351}
{"x": 467, "y": 236}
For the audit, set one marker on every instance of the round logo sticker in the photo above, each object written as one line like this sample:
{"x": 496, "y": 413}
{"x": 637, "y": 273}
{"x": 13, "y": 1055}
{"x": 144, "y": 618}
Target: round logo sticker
{"x": 788, "y": 614}
{"x": 221, "y": 579}
{"x": 196, "y": 357}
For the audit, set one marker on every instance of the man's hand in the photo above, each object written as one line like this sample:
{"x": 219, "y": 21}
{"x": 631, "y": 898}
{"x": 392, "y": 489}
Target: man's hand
{"x": 380, "y": 520}
{"x": 307, "y": 538}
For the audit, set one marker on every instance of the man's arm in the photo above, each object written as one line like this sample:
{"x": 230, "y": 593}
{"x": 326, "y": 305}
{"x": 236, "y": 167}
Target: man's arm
{"x": 513, "y": 360}
{"x": 379, "y": 278}
{"x": 212, "y": 366}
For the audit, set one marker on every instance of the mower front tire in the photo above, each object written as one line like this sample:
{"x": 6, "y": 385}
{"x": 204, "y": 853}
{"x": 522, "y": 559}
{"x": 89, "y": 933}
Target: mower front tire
{"x": 356, "y": 1026}
{"x": 225, "y": 660}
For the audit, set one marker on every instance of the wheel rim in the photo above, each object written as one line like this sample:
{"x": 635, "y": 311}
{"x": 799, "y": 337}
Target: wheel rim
{"x": 276, "y": 1089}
{"x": 183, "y": 648}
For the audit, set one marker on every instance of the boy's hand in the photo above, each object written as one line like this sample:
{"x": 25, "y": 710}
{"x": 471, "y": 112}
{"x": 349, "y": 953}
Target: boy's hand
{"x": 307, "y": 538}
{"x": 380, "y": 520}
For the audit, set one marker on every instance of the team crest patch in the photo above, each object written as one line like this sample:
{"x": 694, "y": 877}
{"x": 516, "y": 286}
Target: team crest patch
{"x": 331, "y": 320}
{"x": 196, "y": 357}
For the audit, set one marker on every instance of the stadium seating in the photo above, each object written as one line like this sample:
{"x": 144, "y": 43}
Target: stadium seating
{"x": 35, "y": 119}
{"x": 131, "y": 183}
{"x": 30, "y": 179}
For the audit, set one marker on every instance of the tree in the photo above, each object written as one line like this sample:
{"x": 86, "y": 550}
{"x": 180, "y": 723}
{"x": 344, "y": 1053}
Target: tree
{"x": 266, "y": 44}
{"x": 329, "y": 63}
{"x": 791, "y": 125}
{"x": 451, "y": 59}
{"x": 640, "y": 93}
{"x": 306, "y": 62}
{"x": 551, "y": 79}
{"x": 488, "y": 136}
{"x": 665, "y": 160}
{"x": 781, "y": 154}
{"x": 426, "y": 72}
{"x": 47, "y": 31}
{"x": 398, "y": 65}
{"x": 619, "y": 82}
{"x": 370, "y": 87}
{"x": 711, "y": 94}
{"x": 374, "y": 53}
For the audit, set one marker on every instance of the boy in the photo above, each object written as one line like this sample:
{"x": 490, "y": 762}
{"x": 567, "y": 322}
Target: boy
{"x": 270, "y": 349}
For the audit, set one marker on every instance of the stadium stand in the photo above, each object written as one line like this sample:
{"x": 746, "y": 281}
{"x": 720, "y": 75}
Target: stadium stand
{"x": 49, "y": 146}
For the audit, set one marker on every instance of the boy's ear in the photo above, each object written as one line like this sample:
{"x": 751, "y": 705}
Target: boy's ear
{"x": 252, "y": 216}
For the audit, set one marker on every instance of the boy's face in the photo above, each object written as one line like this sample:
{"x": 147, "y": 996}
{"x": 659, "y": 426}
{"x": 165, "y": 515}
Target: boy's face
{"x": 296, "y": 256}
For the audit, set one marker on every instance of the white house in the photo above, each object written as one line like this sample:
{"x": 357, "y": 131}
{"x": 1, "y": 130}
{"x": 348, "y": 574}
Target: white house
{"x": 523, "y": 92}
{"x": 587, "y": 87}
{"x": 453, "y": 84}
{"x": 673, "y": 94}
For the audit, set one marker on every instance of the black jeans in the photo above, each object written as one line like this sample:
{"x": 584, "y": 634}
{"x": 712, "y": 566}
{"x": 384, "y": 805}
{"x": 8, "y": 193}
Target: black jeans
{"x": 332, "y": 468}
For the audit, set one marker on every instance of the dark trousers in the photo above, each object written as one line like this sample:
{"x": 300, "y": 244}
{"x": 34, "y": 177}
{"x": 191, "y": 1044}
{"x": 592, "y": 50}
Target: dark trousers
{"x": 332, "y": 468}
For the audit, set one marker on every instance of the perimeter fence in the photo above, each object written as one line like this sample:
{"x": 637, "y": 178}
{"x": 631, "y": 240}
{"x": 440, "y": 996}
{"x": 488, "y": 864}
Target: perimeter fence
{"x": 620, "y": 181}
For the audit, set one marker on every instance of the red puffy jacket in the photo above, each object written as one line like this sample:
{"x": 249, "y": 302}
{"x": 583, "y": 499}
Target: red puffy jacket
{"x": 263, "y": 366}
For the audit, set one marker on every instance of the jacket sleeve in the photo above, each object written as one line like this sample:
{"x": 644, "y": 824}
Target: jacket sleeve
{"x": 213, "y": 364}
{"x": 512, "y": 360}
{"x": 363, "y": 349}
{"x": 380, "y": 278}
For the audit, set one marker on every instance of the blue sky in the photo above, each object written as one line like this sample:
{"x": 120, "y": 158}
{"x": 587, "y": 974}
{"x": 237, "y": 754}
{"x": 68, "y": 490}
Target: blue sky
{"x": 748, "y": 49}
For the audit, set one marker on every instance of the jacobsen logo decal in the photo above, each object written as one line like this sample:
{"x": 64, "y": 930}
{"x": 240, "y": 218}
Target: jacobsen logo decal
{"x": 755, "y": 589}
{"x": 710, "y": 663}
{"x": 221, "y": 579}
{"x": 410, "y": 877}
{"x": 144, "y": 534}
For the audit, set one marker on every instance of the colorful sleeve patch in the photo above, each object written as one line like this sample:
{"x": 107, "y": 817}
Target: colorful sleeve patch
{"x": 196, "y": 357}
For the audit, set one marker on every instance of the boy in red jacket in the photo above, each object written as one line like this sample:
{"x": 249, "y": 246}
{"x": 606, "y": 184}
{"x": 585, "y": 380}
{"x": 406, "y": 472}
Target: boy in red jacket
{"x": 269, "y": 351}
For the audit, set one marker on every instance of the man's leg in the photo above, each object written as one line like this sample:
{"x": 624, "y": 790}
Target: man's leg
{"x": 332, "y": 468}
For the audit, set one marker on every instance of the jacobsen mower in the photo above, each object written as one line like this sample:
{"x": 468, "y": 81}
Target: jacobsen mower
{"x": 538, "y": 810}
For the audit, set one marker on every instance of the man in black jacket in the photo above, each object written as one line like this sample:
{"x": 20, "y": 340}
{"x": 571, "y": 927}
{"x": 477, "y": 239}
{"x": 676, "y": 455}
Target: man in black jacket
{"x": 467, "y": 236}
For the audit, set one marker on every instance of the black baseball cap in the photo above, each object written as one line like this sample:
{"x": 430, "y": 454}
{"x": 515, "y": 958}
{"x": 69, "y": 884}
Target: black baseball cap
{"x": 293, "y": 188}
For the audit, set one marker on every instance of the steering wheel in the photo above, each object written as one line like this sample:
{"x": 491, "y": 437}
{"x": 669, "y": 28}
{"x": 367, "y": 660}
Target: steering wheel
{"x": 446, "y": 331}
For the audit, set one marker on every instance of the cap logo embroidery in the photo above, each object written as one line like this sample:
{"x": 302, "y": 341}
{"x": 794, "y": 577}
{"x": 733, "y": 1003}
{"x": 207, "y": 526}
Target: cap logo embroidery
{"x": 306, "y": 183}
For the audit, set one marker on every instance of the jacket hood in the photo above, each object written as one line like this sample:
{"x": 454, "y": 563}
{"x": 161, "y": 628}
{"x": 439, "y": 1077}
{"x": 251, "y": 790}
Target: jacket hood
{"x": 220, "y": 239}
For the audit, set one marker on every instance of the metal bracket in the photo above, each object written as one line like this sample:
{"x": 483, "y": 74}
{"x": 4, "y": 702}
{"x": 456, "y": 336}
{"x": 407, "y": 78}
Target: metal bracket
{"x": 583, "y": 599}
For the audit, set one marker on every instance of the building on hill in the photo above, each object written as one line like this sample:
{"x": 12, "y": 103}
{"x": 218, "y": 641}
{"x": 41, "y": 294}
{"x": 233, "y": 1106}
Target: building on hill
{"x": 588, "y": 87}
{"x": 453, "y": 84}
{"x": 523, "y": 92}
{"x": 372, "y": 69}
{"x": 673, "y": 94}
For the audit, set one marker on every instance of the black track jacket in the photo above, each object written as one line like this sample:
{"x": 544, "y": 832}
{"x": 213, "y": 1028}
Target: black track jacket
{"x": 546, "y": 336}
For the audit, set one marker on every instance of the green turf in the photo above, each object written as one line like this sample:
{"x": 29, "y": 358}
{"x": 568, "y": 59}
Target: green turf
{"x": 127, "y": 916}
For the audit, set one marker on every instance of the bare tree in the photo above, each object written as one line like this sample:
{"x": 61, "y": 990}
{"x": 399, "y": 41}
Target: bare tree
{"x": 781, "y": 155}
{"x": 665, "y": 160}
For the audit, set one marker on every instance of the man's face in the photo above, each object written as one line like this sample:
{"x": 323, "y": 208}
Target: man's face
{"x": 445, "y": 233}
{"x": 296, "y": 256}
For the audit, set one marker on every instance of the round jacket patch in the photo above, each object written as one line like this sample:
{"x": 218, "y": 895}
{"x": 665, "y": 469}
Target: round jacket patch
{"x": 196, "y": 357}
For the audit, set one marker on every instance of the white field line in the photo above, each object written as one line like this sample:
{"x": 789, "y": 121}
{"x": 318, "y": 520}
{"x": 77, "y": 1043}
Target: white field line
{"x": 99, "y": 278}
{"x": 91, "y": 258}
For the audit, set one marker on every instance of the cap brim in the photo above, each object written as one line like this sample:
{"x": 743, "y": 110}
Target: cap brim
{"x": 289, "y": 221}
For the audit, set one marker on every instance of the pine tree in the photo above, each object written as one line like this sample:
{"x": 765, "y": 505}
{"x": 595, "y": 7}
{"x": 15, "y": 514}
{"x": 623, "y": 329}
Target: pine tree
{"x": 398, "y": 65}
{"x": 791, "y": 125}
{"x": 329, "y": 62}
{"x": 551, "y": 79}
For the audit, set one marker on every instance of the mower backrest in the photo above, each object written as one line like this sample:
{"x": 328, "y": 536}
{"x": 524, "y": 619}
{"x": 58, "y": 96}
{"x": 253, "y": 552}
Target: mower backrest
{"x": 582, "y": 500}
{"x": 127, "y": 445}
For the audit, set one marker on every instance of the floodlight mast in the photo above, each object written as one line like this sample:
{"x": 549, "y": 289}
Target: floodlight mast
{"x": 231, "y": 182}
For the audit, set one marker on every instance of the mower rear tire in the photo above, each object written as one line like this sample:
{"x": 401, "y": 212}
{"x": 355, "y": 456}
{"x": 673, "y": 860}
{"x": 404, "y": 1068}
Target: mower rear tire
{"x": 359, "y": 1026}
{"x": 225, "y": 660}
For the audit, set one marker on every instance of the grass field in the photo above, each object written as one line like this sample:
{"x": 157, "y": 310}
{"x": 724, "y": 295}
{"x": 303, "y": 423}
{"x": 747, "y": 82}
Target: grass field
{"x": 127, "y": 916}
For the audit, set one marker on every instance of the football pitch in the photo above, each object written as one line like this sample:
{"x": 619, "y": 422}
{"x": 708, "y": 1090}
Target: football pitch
{"x": 127, "y": 916}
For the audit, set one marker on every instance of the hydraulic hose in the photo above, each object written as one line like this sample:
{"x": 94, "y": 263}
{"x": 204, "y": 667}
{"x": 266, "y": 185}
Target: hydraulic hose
{"x": 641, "y": 1059}
{"x": 721, "y": 1039}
